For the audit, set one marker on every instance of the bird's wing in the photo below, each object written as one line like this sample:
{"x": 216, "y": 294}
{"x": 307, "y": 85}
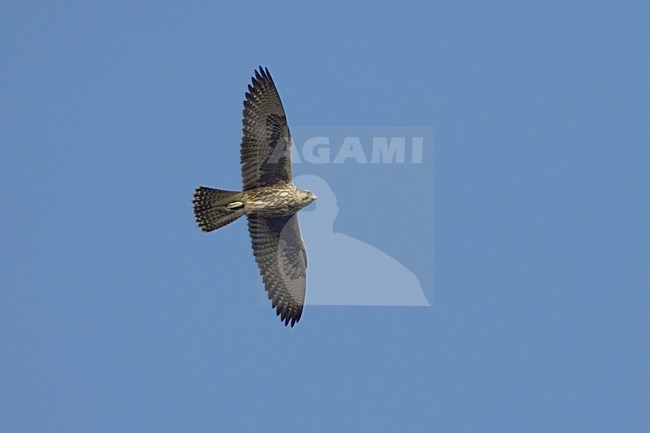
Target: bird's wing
{"x": 280, "y": 255}
{"x": 266, "y": 142}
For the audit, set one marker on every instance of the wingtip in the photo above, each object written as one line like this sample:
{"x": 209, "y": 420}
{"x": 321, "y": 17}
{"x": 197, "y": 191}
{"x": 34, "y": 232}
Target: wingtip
{"x": 268, "y": 75}
{"x": 289, "y": 317}
{"x": 262, "y": 73}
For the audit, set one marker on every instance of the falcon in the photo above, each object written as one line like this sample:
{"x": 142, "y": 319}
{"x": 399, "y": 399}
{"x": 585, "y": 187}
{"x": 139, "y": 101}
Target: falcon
{"x": 268, "y": 198}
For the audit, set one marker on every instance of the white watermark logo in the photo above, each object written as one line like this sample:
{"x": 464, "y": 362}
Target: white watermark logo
{"x": 376, "y": 150}
{"x": 369, "y": 236}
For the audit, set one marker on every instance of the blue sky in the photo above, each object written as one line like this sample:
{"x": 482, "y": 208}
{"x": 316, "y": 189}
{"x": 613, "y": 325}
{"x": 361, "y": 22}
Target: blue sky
{"x": 117, "y": 315}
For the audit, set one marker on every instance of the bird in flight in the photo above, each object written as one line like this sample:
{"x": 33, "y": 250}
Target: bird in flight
{"x": 269, "y": 199}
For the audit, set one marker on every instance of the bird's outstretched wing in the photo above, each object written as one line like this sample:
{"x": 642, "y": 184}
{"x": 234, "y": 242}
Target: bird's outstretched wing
{"x": 266, "y": 142}
{"x": 280, "y": 255}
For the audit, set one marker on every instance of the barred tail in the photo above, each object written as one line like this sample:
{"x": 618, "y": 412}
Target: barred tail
{"x": 214, "y": 208}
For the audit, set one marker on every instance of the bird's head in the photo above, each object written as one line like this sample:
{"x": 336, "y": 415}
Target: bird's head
{"x": 306, "y": 197}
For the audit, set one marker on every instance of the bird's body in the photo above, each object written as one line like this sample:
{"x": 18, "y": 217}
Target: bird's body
{"x": 269, "y": 199}
{"x": 277, "y": 200}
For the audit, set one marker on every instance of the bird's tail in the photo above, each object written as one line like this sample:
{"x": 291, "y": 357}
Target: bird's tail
{"x": 214, "y": 208}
